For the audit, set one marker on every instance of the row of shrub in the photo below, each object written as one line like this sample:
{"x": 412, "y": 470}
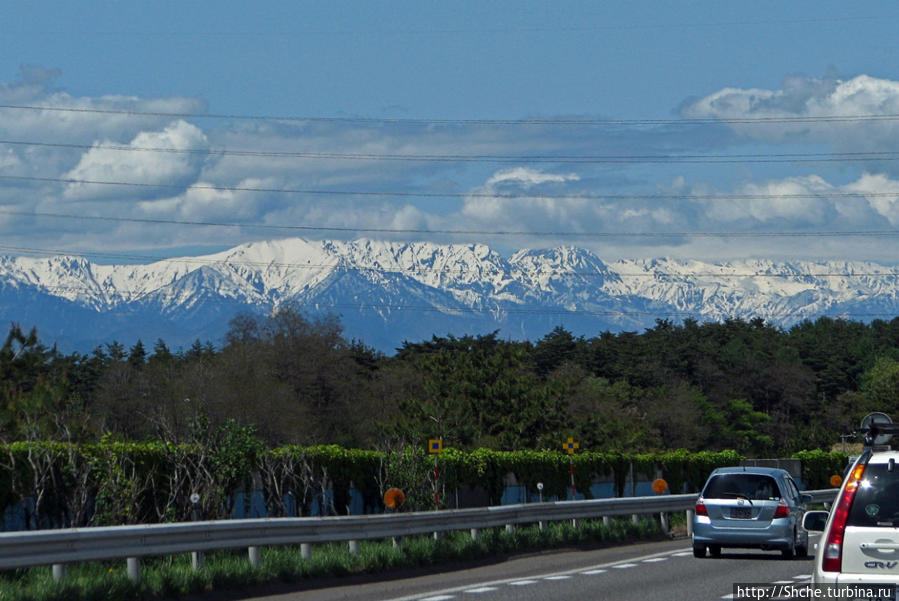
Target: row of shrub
{"x": 62, "y": 484}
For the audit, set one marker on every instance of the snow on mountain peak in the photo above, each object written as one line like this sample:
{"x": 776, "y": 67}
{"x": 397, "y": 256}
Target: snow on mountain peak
{"x": 469, "y": 283}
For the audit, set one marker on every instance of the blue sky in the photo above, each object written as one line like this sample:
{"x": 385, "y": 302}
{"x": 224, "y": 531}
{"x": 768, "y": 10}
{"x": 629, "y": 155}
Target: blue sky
{"x": 707, "y": 130}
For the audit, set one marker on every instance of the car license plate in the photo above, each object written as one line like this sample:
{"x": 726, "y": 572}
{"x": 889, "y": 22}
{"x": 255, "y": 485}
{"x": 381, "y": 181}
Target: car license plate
{"x": 740, "y": 513}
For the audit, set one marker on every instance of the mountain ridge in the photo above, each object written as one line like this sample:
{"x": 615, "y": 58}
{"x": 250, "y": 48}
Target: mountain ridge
{"x": 388, "y": 292}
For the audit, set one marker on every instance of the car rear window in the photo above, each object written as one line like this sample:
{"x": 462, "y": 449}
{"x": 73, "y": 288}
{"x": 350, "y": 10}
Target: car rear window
{"x": 876, "y": 502}
{"x": 756, "y": 487}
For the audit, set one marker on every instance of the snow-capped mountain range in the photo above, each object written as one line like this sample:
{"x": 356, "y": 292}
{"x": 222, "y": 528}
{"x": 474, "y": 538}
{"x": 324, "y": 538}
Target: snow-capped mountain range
{"x": 388, "y": 292}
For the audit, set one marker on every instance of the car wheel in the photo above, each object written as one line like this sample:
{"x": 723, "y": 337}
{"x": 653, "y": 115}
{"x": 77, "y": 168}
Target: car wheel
{"x": 791, "y": 551}
{"x": 698, "y": 550}
{"x": 715, "y": 550}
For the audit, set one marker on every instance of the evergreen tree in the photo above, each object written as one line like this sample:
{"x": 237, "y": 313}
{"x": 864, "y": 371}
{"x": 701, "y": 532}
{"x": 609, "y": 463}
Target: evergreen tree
{"x": 138, "y": 355}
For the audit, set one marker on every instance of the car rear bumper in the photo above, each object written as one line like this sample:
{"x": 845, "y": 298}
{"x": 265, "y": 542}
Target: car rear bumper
{"x": 778, "y": 535}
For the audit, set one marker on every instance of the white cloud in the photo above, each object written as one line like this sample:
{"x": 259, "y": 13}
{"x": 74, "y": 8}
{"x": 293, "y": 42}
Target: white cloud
{"x": 784, "y": 202}
{"x": 140, "y": 166}
{"x": 882, "y": 194}
{"x": 779, "y": 202}
{"x": 527, "y": 178}
{"x": 502, "y": 212}
{"x": 819, "y": 102}
{"x": 85, "y": 122}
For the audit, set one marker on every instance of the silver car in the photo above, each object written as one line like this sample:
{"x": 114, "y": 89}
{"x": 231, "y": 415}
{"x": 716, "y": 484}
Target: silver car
{"x": 750, "y": 507}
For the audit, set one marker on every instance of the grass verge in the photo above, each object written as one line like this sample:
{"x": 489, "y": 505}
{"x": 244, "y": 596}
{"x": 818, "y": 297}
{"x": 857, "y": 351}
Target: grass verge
{"x": 172, "y": 576}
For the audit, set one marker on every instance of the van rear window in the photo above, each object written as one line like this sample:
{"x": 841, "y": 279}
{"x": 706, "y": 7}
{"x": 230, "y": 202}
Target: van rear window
{"x": 876, "y": 502}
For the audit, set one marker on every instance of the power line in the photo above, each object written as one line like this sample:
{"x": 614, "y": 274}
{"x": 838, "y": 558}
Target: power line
{"x": 485, "y": 195}
{"x": 471, "y": 122}
{"x": 315, "y": 228}
{"x": 805, "y": 157}
{"x": 546, "y": 28}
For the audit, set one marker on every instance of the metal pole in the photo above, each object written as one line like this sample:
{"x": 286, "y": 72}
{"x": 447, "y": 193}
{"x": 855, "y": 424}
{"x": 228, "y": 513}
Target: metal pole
{"x": 436, "y": 488}
{"x": 197, "y": 559}
{"x": 133, "y": 564}
{"x": 571, "y": 465}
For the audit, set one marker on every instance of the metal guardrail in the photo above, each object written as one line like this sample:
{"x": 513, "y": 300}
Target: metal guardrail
{"x": 73, "y": 545}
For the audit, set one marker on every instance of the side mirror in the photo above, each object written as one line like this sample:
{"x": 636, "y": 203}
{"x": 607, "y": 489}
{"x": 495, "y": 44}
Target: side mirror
{"x": 814, "y": 521}
{"x": 805, "y": 499}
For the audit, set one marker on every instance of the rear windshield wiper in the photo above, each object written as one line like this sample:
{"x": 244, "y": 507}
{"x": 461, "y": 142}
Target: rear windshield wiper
{"x": 736, "y": 495}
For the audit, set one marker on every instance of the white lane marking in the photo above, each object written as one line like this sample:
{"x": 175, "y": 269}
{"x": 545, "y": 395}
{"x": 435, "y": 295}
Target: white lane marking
{"x": 624, "y": 566}
{"x": 728, "y": 596}
{"x": 522, "y": 582}
{"x": 592, "y": 572}
{"x": 559, "y": 577}
{"x": 612, "y": 564}
{"x": 782, "y": 582}
{"x": 802, "y": 577}
{"x": 439, "y": 598}
{"x": 683, "y": 554}
{"x": 655, "y": 559}
{"x": 481, "y": 589}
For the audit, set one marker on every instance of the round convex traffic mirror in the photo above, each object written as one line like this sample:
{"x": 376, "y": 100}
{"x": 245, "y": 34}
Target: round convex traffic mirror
{"x": 877, "y": 418}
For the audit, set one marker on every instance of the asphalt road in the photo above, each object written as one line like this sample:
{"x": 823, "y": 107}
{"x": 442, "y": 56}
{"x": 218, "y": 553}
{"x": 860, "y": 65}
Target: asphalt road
{"x": 664, "y": 570}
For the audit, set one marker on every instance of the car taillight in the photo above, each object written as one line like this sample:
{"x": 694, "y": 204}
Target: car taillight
{"x": 833, "y": 548}
{"x": 782, "y": 510}
{"x": 701, "y": 510}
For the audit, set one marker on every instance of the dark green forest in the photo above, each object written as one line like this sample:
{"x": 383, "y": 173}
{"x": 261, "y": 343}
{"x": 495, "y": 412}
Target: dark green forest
{"x": 748, "y": 386}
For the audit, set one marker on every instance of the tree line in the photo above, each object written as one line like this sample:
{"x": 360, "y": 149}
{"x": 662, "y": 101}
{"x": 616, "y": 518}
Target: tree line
{"x": 743, "y": 385}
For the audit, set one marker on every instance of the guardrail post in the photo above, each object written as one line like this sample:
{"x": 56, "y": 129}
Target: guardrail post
{"x": 354, "y": 547}
{"x": 474, "y": 534}
{"x": 574, "y": 523}
{"x": 133, "y": 564}
{"x": 541, "y": 524}
{"x": 396, "y": 541}
{"x": 690, "y": 522}
{"x": 306, "y": 551}
{"x": 510, "y": 527}
{"x": 663, "y": 519}
{"x": 197, "y": 560}
{"x": 606, "y": 520}
{"x": 59, "y": 572}
{"x": 255, "y": 556}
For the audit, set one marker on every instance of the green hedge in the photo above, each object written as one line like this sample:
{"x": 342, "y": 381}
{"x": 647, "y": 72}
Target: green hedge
{"x": 819, "y": 466}
{"x": 125, "y": 482}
